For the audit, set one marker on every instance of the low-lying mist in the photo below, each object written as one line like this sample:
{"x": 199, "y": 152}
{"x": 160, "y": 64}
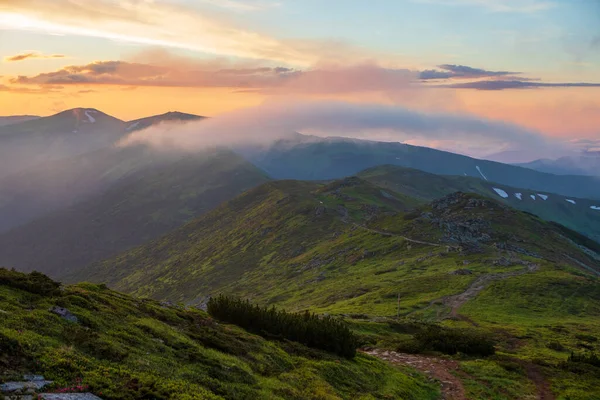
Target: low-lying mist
{"x": 279, "y": 118}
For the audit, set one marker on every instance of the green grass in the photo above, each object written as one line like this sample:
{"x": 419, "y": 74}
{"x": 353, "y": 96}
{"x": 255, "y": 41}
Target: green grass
{"x": 127, "y": 348}
{"x": 286, "y": 243}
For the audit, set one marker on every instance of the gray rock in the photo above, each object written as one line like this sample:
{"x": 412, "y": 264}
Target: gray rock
{"x": 63, "y": 312}
{"x": 33, "y": 377}
{"x": 10, "y": 387}
{"x": 69, "y": 396}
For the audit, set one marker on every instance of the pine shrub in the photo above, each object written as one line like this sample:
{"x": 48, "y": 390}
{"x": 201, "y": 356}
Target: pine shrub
{"x": 326, "y": 333}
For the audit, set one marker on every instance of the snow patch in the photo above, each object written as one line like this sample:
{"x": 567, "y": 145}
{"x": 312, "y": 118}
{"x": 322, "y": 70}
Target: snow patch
{"x": 481, "y": 173}
{"x": 532, "y": 196}
{"x": 134, "y": 125}
{"x": 519, "y": 196}
{"x": 90, "y": 118}
{"x": 571, "y": 201}
{"x": 595, "y": 208}
{"x": 501, "y": 193}
{"x": 543, "y": 196}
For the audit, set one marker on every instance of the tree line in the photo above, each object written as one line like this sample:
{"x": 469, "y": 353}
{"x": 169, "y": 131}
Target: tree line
{"x": 321, "y": 332}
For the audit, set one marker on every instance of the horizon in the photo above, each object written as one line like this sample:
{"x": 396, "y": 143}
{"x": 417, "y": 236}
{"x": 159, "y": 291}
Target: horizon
{"x": 533, "y": 65}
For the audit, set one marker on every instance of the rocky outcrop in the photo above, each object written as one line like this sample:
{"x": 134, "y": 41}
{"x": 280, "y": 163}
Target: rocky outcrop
{"x": 63, "y": 312}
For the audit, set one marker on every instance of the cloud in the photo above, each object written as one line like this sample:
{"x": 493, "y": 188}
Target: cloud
{"x": 277, "y": 119}
{"x": 514, "y": 84}
{"x": 159, "y": 68}
{"x": 28, "y": 90}
{"x": 31, "y": 55}
{"x": 167, "y": 24}
{"x": 138, "y": 74}
{"x": 505, "y": 6}
{"x": 461, "y": 71}
{"x": 241, "y": 6}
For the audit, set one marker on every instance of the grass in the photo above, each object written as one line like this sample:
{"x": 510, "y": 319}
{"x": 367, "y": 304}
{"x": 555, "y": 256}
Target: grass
{"x": 289, "y": 244}
{"x": 127, "y": 348}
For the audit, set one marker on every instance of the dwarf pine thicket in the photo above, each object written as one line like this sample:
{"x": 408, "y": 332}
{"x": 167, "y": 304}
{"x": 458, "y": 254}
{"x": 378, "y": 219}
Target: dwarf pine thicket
{"x": 322, "y": 332}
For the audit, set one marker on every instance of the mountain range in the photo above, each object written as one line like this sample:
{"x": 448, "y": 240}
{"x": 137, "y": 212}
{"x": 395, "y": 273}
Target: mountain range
{"x": 396, "y": 240}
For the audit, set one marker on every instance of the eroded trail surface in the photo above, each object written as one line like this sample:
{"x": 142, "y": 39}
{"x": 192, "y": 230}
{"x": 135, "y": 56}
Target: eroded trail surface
{"x": 436, "y": 368}
{"x": 456, "y": 301}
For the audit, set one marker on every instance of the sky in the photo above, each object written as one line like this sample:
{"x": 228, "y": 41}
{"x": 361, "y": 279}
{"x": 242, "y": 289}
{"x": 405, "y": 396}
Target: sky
{"x": 534, "y": 64}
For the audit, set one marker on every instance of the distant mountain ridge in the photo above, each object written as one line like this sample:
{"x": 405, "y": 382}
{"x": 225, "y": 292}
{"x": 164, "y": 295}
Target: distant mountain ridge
{"x": 48, "y": 181}
{"x": 137, "y": 208}
{"x": 581, "y": 215}
{"x": 313, "y": 158}
{"x": 15, "y": 119}
{"x": 587, "y": 163}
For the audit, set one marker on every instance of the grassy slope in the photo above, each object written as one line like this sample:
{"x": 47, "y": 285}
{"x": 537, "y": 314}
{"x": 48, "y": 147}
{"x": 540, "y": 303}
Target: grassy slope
{"x": 426, "y": 186}
{"x": 135, "y": 210}
{"x": 126, "y": 348}
{"x": 287, "y": 243}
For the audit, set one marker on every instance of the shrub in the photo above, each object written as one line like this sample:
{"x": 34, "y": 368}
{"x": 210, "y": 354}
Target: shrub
{"x": 453, "y": 341}
{"x": 35, "y": 282}
{"x": 326, "y": 333}
{"x": 586, "y": 358}
{"x": 556, "y": 346}
{"x": 586, "y": 338}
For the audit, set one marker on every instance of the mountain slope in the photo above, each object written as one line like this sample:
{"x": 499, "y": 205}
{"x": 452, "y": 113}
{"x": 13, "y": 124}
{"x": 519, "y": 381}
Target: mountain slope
{"x": 15, "y": 119}
{"x": 287, "y": 234}
{"x": 138, "y": 208}
{"x": 586, "y": 164}
{"x": 171, "y": 116}
{"x": 581, "y": 215}
{"x": 57, "y": 184}
{"x": 351, "y": 248}
{"x": 120, "y": 347}
{"x": 65, "y": 134}
{"x": 307, "y": 157}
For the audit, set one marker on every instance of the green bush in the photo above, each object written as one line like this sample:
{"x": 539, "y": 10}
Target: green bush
{"x": 556, "y": 346}
{"x": 453, "y": 341}
{"x": 586, "y": 358}
{"x": 35, "y": 282}
{"x": 326, "y": 333}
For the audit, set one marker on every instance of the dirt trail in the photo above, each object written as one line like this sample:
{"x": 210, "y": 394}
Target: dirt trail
{"x": 536, "y": 376}
{"x": 437, "y": 368}
{"x": 456, "y": 301}
{"x": 396, "y": 235}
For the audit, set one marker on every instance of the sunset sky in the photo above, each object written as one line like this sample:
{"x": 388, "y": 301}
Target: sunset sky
{"x": 534, "y": 63}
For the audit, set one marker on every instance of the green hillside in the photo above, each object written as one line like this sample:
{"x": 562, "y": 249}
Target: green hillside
{"x": 138, "y": 208}
{"x": 571, "y": 212}
{"x": 120, "y": 347}
{"x": 352, "y": 248}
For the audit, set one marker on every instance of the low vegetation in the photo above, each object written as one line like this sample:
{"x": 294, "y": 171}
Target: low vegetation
{"x": 322, "y": 332}
{"x": 124, "y": 348}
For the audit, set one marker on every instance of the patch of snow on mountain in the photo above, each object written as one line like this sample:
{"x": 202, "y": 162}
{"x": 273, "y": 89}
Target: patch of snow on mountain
{"x": 532, "y": 196}
{"x": 134, "y": 125}
{"x": 543, "y": 196}
{"x": 571, "y": 201}
{"x": 519, "y": 196}
{"x": 595, "y": 208}
{"x": 501, "y": 193}
{"x": 90, "y": 118}
{"x": 481, "y": 173}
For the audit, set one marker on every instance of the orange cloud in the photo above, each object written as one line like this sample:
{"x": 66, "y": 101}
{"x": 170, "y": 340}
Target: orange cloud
{"x": 167, "y": 25}
{"x": 31, "y": 55}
